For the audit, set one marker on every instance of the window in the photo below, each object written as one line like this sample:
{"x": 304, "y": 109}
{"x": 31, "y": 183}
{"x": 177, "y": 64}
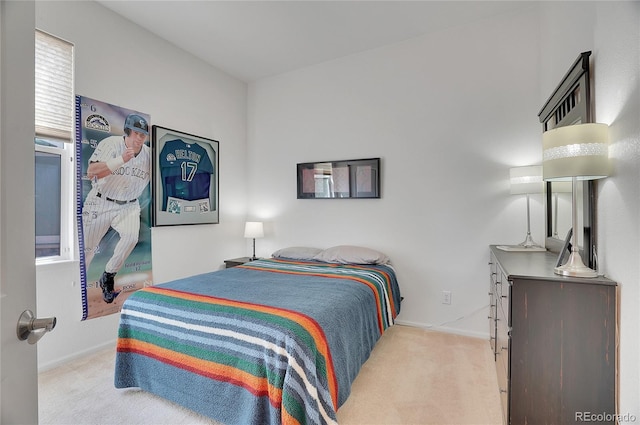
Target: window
{"x": 54, "y": 166}
{"x": 54, "y": 199}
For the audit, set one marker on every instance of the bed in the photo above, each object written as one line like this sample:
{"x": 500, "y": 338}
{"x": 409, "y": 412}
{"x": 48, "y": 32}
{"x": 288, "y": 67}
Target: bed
{"x": 278, "y": 340}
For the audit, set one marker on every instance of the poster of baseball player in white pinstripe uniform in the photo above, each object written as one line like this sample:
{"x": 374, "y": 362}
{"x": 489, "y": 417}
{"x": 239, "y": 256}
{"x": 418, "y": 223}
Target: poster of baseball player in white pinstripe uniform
{"x": 114, "y": 204}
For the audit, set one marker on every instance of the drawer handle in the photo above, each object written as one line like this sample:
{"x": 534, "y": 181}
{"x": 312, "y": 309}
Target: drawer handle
{"x": 505, "y": 296}
{"x": 503, "y": 391}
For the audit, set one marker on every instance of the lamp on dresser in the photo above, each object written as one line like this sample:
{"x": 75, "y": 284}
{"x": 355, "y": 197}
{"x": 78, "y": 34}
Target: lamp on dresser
{"x": 253, "y": 230}
{"x": 573, "y": 153}
{"x": 527, "y": 180}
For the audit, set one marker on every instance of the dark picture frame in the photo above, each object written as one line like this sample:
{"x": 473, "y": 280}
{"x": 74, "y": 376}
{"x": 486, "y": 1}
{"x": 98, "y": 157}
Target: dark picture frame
{"x": 565, "y": 251}
{"x": 185, "y": 178}
{"x": 343, "y": 179}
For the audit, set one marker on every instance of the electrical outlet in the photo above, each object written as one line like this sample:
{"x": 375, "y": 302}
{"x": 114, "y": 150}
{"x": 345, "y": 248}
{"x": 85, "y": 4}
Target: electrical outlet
{"x": 446, "y": 297}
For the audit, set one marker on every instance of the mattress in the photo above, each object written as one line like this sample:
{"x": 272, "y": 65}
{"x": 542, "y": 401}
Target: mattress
{"x": 272, "y": 341}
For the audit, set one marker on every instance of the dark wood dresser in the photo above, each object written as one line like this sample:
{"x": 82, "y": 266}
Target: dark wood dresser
{"x": 554, "y": 340}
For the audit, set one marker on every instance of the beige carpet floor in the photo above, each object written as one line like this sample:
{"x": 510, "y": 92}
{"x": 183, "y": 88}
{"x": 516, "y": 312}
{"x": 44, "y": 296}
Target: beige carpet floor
{"x": 414, "y": 376}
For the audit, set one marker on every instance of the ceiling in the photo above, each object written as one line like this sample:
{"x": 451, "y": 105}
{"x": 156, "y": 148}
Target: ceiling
{"x": 256, "y": 39}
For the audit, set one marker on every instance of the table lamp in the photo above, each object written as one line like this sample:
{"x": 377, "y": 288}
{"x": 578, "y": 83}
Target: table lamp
{"x": 527, "y": 180}
{"x": 572, "y": 153}
{"x": 253, "y": 230}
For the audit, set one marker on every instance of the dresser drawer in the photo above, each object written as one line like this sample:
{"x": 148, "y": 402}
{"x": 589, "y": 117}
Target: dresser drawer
{"x": 503, "y": 383}
{"x": 504, "y": 305}
{"x": 503, "y": 343}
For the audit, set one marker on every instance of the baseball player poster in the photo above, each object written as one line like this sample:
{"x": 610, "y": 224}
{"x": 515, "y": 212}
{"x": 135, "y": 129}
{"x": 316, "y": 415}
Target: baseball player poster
{"x": 113, "y": 198}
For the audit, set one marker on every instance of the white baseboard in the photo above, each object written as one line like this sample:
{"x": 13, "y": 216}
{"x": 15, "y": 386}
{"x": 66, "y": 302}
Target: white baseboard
{"x": 446, "y": 329}
{"x": 42, "y": 367}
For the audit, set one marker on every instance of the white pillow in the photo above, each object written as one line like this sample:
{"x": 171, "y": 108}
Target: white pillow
{"x": 297, "y": 253}
{"x": 348, "y": 254}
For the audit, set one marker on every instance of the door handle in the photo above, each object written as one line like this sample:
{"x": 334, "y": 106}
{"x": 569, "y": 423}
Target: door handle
{"x": 33, "y": 329}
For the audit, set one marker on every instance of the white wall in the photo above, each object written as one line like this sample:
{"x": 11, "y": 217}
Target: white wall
{"x": 120, "y": 63}
{"x": 449, "y": 114}
{"x": 611, "y": 30}
{"x": 617, "y": 95}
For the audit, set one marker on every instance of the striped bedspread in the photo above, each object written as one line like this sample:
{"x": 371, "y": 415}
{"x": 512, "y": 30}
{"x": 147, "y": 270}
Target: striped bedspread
{"x": 269, "y": 342}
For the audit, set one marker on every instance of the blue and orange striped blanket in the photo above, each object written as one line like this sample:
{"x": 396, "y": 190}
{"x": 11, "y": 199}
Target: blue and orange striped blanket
{"x": 269, "y": 342}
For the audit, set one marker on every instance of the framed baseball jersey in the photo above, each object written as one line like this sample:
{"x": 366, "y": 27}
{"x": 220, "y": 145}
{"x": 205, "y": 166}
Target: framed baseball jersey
{"x": 185, "y": 183}
{"x": 185, "y": 171}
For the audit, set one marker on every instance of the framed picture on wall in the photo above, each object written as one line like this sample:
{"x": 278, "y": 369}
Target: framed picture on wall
{"x": 186, "y": 180}
{"x": 356, "y": 178}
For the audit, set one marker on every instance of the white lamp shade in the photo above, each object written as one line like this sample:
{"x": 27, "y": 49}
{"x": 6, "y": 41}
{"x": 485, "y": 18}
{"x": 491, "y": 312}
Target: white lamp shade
{"x": 526, "y": 180}
{"x": 253, "y": 229}
{"x": 580, "y": 151}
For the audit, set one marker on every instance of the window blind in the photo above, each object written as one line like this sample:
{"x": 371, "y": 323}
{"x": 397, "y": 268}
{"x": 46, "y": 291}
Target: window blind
{"x": 54, "y": 87}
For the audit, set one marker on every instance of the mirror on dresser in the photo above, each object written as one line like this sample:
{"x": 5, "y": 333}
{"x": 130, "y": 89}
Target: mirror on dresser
{"x": 570, "y": 103}
{"x": 559, "y": 202}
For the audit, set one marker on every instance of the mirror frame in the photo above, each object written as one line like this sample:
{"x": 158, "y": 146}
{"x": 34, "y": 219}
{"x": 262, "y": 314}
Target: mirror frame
{"x": 570, "y": 103}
